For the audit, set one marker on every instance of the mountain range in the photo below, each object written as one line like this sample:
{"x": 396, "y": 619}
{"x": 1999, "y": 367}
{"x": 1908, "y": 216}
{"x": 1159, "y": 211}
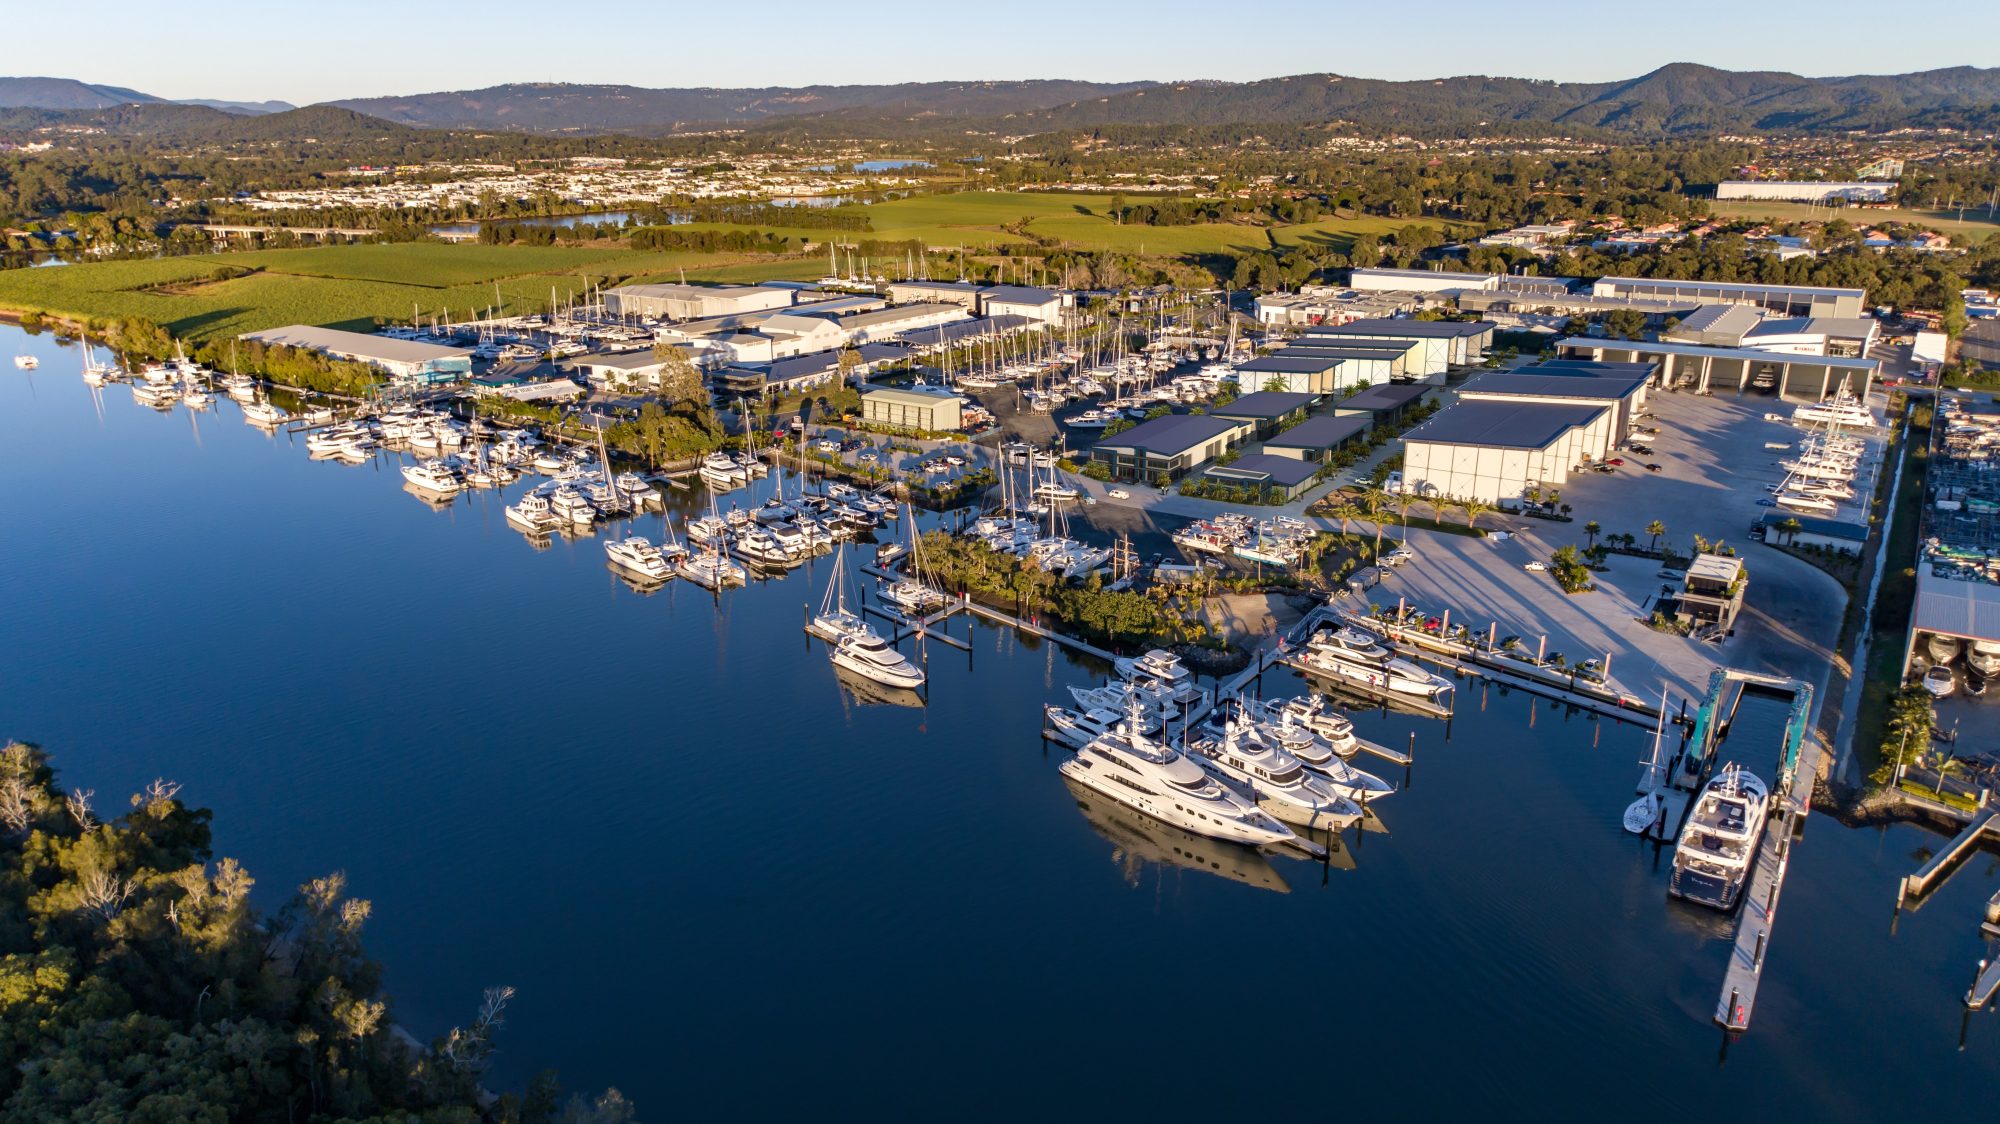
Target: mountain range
{"x": 1679, "y": 99}
{"x": 68, "y": 94}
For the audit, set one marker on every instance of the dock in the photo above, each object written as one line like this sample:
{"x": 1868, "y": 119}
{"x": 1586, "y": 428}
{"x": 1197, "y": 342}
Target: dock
{"x": 1915, "y": 885}
{"x": 1799, "y": 759}
{"x": 1463, "y": 659}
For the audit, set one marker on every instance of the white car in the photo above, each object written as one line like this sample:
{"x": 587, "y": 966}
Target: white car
{"x": 1119, "y": 494}
{"x": 955, "y": 461}
{"x": 1399, "y": 556}
{"x": 826, "y": 446}
{"x": 1538, "y": 567}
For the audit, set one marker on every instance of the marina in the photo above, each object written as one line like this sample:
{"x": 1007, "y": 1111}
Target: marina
{"x": 943, "y": 834}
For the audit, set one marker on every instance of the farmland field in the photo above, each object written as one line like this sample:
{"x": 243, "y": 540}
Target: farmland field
{"x": 430, "y": 264}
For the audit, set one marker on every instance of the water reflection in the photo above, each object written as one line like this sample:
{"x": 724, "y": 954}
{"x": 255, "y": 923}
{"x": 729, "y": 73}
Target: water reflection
{"x": 1139, "y": 841}
{"x": 867, "y": 692}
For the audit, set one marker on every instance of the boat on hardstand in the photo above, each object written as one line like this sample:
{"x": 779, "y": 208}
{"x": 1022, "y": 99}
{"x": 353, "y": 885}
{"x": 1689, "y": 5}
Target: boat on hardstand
{"x": 1718, "y": 846}
{"x": 1152, "y": 777}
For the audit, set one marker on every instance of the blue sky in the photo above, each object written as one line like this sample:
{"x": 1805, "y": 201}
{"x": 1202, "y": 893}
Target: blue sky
{"x": 305, "y": 52}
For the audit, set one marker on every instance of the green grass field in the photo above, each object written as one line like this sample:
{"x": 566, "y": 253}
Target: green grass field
{"x": 350, "y": 285}
{"x": 1975, "y": 226}
{"x": 354, "y": 285}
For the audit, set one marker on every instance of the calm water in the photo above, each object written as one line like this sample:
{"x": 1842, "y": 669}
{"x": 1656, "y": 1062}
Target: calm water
{"x": 727, "y": 887}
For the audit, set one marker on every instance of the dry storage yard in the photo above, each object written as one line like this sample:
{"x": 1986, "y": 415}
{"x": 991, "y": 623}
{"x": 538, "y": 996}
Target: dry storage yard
{"x": 1714, "y": 469}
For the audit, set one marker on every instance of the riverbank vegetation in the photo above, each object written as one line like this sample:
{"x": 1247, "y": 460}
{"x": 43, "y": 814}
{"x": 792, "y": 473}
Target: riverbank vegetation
{"x": 139, "y": 981}
{"x": 1161, "y": 615}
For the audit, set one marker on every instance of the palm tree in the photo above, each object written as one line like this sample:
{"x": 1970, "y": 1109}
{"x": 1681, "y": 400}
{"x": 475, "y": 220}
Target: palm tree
{"x": 1591, "y": 530}
{"x": 1473, "y": 510}
{"x": 1658, "y": 530}
{"x": 1790, "y": 527}
{"x": 1345, "y": 512}
{"x": 1374, "y": 501}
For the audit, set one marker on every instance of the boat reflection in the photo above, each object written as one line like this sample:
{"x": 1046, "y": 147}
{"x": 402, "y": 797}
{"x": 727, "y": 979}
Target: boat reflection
{"x": 1139, "y": 840}
{"x": 436, "y": 501}
{"x": 868, "y": 692}
{"x": 632, "y": 580}
{"x": 1339, "y": 856}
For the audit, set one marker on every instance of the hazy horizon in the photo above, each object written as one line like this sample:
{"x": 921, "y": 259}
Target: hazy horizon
{"x": 360, "y": 50}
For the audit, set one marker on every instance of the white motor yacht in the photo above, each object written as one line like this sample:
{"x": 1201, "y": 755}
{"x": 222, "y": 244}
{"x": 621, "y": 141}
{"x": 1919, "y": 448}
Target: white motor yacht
{"x": 638, "y": 555}
{"x": 572, "y": 507}
{"x": 708, "y": 530}
{"x": 1163, "y": 668}
{"x": 1312, "y": 711}
{"x": 873, "y": 658}
{"x": 1360, "y": 657}
{"x": 1279, "y": 782}
{"x": 1162, "y": 782}
{"x": 434, "y": 476}
{"x": 1983, "y": 656}
{"x": 533, "y": 514}
{"x": 1078, "y": 728}
{"x": 1717, "y": 847}
{"x": 262, "y": 413}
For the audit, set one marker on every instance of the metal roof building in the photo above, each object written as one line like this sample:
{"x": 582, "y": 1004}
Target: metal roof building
{"x": 1734, "y": 369}
{"x": 1494, "y": 451}
{"x": 690, "y": 302}
{"x": 1315, "y": 439}
{"x": 1447, "y": 343}
{"x": 1283, "y": 478}
{"x": 409, "y": 360}
{"x": 1171, "y": 445}
{"x": 1785, "y": 300}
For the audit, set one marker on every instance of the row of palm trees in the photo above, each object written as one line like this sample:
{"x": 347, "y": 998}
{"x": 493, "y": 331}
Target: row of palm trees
{"x": 1371, "y": 504}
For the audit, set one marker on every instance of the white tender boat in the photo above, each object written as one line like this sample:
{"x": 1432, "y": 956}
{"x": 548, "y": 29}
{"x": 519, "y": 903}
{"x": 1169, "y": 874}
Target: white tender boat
{"x": 1940, "y": 682}
{"x": 872, "y": 658}
{"x": 1156, "y": 779}
{"x": 26, "y": 362}
{"x": 262, "y": 413}
{"x": 915, "y": 599}
{"x": 1719, "y": 844}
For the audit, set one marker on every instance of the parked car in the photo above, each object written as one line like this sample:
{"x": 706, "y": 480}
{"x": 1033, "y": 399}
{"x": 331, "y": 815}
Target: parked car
{"x": 1400, "y": 555}
{"x": 867, "y": 455}
{"x": 1537, "y": 567}
{"x": 826, "y": 446}
{"x": 1652, "y": 467}
{"x": 955, "y": 461}
{"x": 1616, "y": 462}
{"x": 1119, "y": 494}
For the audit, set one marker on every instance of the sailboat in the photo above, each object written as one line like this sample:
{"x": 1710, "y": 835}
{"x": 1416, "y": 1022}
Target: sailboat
{"x": 1644, "y": 812}
{"x": 835, "y": 620}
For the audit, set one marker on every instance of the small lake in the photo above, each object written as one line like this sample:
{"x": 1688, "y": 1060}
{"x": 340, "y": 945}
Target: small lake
{"x": 735, "y": 888}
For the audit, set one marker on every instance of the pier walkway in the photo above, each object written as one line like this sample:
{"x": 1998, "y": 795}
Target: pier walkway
{"x": 1916, "y": 884}
{"x": 1799, "y": 757}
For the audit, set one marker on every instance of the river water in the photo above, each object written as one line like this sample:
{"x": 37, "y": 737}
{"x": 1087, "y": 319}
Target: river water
{"x": 729, "y": 887}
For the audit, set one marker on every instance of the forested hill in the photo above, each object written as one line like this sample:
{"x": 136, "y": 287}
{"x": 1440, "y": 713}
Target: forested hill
{"x": 69, "y": 93}
{"x": 547, "y": 107}
{"x": 200, "y": 124}
{"x": 1682, "y": 98}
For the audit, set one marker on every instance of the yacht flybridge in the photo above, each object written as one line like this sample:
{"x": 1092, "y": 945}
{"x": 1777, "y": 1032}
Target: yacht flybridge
{"x": 1361, "y": 657}
{"x": 1153, "y": 777}
{"x": 871, "y": 657}
{"x": 1279, "y": 782}
{"x": 1717, "y": 847}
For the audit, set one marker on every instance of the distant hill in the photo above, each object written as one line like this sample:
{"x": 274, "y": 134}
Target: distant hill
{"x": 552, "y": 107}
{"x": 199, "y": 124}
{"x": 1679, "y": 98}
{"x": 68, "y": 94}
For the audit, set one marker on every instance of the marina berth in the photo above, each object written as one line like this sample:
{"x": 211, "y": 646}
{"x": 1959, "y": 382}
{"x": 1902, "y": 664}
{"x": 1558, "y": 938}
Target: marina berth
{"x": 1153, "y": 777}
{"x": 637, "y": 554}
{"x": 711, "y": 569}
{"x": 1279, "y": 782}
{"x": 1360, "y": 657}
{"x": 872, "y": 658}
{"x": 1717, "y": 847}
